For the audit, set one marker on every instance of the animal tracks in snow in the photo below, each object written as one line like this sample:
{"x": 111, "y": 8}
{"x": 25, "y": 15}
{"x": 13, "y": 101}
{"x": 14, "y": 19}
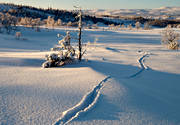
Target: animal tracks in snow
{"x": 142, "y": 64}
{"x": 87, "y": 102}
{"x": 90, "y": 99}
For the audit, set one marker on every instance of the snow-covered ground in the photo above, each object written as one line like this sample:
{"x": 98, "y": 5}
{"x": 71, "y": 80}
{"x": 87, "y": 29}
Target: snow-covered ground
{"x": 128, "y": 78}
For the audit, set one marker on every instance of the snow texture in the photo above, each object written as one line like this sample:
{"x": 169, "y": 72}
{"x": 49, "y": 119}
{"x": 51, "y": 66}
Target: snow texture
{"x": 87, "y": 102}
{"x": 32, "y": 95}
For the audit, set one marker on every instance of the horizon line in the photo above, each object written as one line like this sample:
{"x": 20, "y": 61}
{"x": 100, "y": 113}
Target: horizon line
{"x": 50, "y": 7}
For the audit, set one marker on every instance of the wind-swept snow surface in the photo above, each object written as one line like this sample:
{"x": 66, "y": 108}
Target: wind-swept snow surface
{"x": 31, "y": 95}
{"x": 87, "y": 102}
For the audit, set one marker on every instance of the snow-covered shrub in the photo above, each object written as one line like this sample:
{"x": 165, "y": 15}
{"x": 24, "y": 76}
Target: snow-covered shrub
{"x": 59, "y": 22}
{"x": 26, "y": 21}
{"x": 123, "y": 26}
{"x": 8, "y": 22}
{"x": 170, "y": 38}
{"x": 138, "y": 25}
{"x": 95, "y": 26}
{"x": 147, "y": 26}
{"x": 50, "y": 22}
{"x": 111, "y": 26}
{"x": 64, "y": 53}
{"x": 18, "y": 35}
{"x": 129, "y": 26}
{"x": 52, "y": 60}
{"x": 69, "y": 24}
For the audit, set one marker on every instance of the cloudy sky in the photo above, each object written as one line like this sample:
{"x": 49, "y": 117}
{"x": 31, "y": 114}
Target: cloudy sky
{"x": 97, "y": 4}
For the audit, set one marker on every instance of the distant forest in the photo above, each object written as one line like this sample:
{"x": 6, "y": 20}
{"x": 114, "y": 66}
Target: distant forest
{"x": 21, "y": 11}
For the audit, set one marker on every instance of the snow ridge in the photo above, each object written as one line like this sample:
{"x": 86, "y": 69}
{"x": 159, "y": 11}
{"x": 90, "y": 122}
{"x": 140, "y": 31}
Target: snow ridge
{"x": 87, "y": 102}
{"x": 143, "y": 66}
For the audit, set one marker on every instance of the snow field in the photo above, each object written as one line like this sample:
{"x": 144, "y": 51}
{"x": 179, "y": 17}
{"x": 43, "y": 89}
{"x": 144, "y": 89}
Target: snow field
{"x": 32, "y": 95}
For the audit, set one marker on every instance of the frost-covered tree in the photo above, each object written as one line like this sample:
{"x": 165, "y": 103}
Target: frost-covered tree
{"x": 111, "y": 26}
{"x": 138, "y": 25}
{"x": 64, "y": 53}
{"x": 7, "y": 22}
{"x": 26, "y": 21}
{"x": 170, "y": 38}
{"x": 36, "y": 22}
{"x": 147, "y": 26}
{"x": 69, "y": 24}
{"x": 122, "y": 26}
{"x": 50, "y": 22}
{"x": 118, "y": 27}
{"x": 59, "y": 22}
{"x": 129, "y": 26}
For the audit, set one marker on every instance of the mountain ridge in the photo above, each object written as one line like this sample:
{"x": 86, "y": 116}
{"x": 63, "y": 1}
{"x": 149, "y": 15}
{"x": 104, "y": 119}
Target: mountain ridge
{"x": 157, "y": 13}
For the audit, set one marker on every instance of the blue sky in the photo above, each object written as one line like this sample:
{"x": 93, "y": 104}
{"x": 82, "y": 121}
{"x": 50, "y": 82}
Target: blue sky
{"x": 97, "y": 4}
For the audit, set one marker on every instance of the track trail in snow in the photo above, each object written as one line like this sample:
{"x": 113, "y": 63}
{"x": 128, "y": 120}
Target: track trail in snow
{"x": 87, "y": 102}
{"x": 142, "y": 64}
{"x": 90, "y": 99}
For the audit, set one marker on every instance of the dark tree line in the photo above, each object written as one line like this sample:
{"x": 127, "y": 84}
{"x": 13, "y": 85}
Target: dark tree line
{"x": 20, "y": 11}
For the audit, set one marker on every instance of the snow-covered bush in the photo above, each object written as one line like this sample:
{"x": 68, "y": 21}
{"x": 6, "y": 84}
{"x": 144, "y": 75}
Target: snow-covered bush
{"x": 50, "y": 22}
{"x": 138, "y": 25}
{"x": 59, "y": 22}
{"x": 95, "y": 26}
{"x": 69, "y": 24}
{"x": 147, "y": 26}
{"x": 64, "y": 53}
{"x": 129, "y": 26}
{"x": 123, "y": 26}
{"x": 18, "y": 35}
{"x": 170, "y": 38}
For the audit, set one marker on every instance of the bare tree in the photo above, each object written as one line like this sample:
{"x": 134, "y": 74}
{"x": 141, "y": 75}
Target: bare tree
{"x": 80, "y": 32}
{"x": 170, "y": 38}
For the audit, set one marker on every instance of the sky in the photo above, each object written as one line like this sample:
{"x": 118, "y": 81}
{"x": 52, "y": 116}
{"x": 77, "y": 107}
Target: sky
{"x": 97, "y": 4}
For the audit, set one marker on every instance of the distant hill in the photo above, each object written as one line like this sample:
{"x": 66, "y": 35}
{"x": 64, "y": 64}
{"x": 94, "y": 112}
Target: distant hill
{"x": 159, "y": 17}
{"x": 158, "y": 13}
{"x": 65, "y": 15}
